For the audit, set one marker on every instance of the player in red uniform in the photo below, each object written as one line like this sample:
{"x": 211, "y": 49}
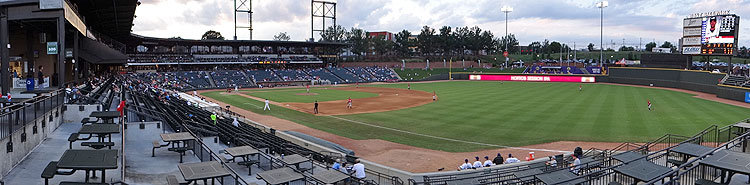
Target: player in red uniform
{"x": 580, "y": 88}
{"x": 649, "y": 104}
{"x": 349, "y": 103}
{"x": 308, "y": 89}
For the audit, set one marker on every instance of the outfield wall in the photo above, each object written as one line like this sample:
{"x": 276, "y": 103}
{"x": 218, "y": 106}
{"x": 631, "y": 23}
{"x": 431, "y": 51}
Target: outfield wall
{"x": 732, "y": 93}
{"x": 700, "y": 81}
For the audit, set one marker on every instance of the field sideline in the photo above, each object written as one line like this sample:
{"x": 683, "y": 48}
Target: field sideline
{"x": 520, "y": 114}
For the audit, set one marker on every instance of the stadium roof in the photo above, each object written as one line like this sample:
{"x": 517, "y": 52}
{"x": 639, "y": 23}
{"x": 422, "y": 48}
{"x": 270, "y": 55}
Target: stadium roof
{"x": 111, "y": 18}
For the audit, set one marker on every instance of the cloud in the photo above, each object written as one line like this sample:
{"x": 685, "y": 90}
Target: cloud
{"x": 636, "y": 21}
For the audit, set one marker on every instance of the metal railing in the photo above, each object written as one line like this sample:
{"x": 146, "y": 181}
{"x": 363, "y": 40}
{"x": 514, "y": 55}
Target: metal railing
{"x": 694, "y": 171}
{"x": 204, "y": 153}
{"x": 18, "y": 115}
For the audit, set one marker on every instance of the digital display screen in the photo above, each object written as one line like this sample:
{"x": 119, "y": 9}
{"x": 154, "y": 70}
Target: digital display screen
{"x": 533, "y": 78}
{"x": 718, "y": 30}
{"x": 713, "y": 33}
{"x": 719, "y": 35}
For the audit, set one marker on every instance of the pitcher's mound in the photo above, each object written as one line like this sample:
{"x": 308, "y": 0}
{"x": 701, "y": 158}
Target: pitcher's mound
{"x": 306, "y": 94}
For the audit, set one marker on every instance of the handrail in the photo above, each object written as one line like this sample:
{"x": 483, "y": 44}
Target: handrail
{"x": 676, "y": 173}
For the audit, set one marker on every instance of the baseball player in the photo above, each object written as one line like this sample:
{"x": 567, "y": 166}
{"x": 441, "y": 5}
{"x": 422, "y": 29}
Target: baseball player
{"x": 308, "y": 89}
{"x": 649, "y": 104}
{"x": 266, "y": 106}
{"x": 408, "y": 86}
{"x": 316, "y": 107}
{"x": 434, "y": 96}
{"x": 349, "y": 103}
{"x": 580, "y": 88}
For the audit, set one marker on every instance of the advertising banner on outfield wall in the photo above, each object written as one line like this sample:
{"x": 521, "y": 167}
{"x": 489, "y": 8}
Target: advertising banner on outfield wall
{"x": 533, "y": 78}
{"x": 747, "y": 97}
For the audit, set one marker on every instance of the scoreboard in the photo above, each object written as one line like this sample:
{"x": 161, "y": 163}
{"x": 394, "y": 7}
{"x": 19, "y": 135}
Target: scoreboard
{"x": 710, "y": 34}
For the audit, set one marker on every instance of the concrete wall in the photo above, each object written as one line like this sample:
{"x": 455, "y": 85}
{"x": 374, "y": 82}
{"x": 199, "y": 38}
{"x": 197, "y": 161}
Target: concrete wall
{"x": 731, "y": 93}
{"x": 21, "y": 149}
{"x": 75, "y": 113}
{"x": 700, "y": 81}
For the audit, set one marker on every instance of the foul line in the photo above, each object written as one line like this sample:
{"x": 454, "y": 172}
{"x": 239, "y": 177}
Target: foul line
{"x": 447, "y": 139}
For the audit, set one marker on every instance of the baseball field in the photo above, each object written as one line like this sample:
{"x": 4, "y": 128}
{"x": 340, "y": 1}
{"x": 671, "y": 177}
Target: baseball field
{"x": 472, "y": 115}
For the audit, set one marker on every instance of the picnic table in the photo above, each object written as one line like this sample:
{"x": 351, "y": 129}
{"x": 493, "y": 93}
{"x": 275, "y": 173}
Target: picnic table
{"x": 175, "y": 139}
{"x": 728, "y": 161}
{"x": 330, "y": 176}
{"x": 642, "y": 170}
{"x": 628, "y": 156}
{"x": 244, "y": 152}
{"x": 280, "y": 176}
{"x": 101, "y": 130}
{"x": 295, "y": 160}
{"x": 560, "y": 177}
{"x": 107, "y": 116}
{"x": 89, "y": 160}
{"x": 203, "y": 171}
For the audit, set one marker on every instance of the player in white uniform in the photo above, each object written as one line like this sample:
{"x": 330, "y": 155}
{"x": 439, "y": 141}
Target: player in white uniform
{"x": 477, "y": 164}
{"x": 267, "y": 106}
{"x": 465, "y": 166}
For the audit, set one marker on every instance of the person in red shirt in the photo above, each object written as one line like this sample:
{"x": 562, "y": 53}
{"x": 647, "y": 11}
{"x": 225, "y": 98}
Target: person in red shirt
{"x": 121, "y": 108}
{"x": 308, "y": 89}
{"x": 349, "y": 103}
{"x": 649, "y": 104}
{"x": 580, "y": 87}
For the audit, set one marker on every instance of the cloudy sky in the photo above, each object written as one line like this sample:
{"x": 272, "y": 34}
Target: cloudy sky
{"x": 568, "y": 21}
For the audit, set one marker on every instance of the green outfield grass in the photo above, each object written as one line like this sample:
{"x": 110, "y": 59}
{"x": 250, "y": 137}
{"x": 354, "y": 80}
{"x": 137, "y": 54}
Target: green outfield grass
{"x": 290, "y": 95}
{"x": 520, "y": 113}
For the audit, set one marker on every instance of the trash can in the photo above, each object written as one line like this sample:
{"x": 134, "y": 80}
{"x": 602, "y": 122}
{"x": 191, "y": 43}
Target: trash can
{"x": 29, "y": 84}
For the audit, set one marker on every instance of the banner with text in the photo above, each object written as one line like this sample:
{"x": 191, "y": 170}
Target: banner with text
{"x": 533, "y": 78}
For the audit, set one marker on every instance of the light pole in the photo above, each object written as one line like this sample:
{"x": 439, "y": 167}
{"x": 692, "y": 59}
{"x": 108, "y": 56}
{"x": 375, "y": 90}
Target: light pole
{"x": 506, "y": 9}
{"x": 601, "y": 6}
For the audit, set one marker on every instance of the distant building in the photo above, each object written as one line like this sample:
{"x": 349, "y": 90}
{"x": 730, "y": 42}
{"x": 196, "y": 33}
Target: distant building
{"x": 386, "y": 35}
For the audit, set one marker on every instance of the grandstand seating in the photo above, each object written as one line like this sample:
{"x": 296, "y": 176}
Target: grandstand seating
{"x": 735, "y": 80}
{"x": 382, "y": 74}
{"x": 324, "y": 74}
{"x": 231, "y": 78}
{"x": 346, "y": 75}
{"x": 198, "y": 79}
{"x": 292, "y": 75}
{"x": 262, "y": 75}
{"x": 361, "y": 73}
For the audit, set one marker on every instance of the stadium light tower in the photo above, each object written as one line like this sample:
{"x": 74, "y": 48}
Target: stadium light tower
{"x": 601, "y": 5}
{"x": 506, "y": 9}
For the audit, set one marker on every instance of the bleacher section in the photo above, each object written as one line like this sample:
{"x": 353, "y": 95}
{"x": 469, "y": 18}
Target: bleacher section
{"x": 736, "y": 81}
{"x": 231, "y": 78}
{"x": 262, "y": 76}
{"x": 345, "y": 74}
{"x": 292, "y": 75}
{"x": 198, "y": 79}
{"x": 383, "y": 74}
{"x": 362, "y": 73}
{"x": 323, "y": 74}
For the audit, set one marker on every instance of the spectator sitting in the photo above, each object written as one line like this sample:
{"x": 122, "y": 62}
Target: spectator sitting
{"x": 552, "y": 162}
{"x": 336, "y": 165}
{"x": 477, "y": 163}
{"x": 576, "y": 166}
{"x": 359, "y": 170}
{"x": 465, "y": 166}
{"x": 487, "y": 162}
{"x": 498, "y": 160}
{"x": 511, "y": 159}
